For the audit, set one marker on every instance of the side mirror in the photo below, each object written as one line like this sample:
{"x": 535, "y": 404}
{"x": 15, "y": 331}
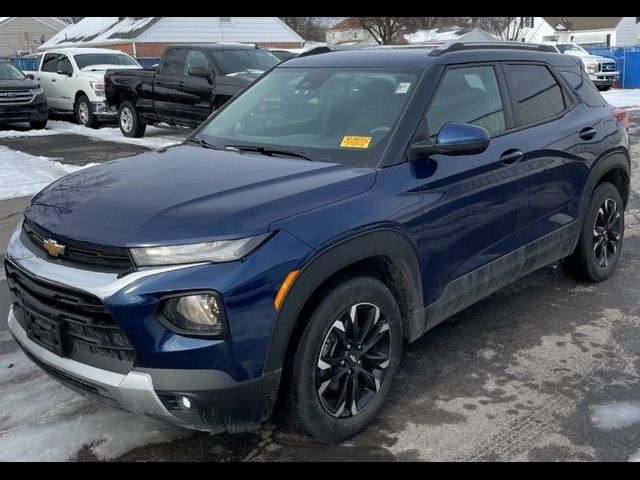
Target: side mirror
{"x": 454, "y": 139}
{"x": 31, "y": 76}
{"x": 200, "y": 72}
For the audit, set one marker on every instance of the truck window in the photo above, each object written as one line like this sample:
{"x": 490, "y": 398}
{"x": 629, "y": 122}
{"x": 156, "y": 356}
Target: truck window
{"x": 64, "y": 64}
{"x": 50, "y": 62}
{"x": 173, "y": 61}
{"x": 195, "y": 58}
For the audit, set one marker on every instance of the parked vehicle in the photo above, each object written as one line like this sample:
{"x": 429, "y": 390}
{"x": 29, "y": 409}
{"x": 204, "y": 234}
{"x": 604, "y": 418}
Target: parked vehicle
{"x": 191, "y": 82}
{"x": 21, "y": 98}
{"x": 343, "y": 204}
{"x": 602, "y": 71}
{"x": 73, "y": 80}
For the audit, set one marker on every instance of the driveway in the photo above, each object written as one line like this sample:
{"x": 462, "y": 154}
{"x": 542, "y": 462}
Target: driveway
{"x": 546, "y": 369}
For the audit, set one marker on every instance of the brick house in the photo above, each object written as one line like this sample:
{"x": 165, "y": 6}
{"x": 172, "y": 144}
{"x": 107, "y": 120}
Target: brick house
{"x": 147, "y": 37}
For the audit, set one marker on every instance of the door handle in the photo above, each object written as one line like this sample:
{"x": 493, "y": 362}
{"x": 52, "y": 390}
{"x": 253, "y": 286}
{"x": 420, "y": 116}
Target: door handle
{"x": 181, "y": 84}
{"x": 588, "y": 133}
{"x": 511, "y": 156}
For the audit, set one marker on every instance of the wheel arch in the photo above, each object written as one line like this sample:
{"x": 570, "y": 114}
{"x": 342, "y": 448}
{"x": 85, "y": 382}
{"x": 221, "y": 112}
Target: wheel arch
{"x": 386, "y": 253}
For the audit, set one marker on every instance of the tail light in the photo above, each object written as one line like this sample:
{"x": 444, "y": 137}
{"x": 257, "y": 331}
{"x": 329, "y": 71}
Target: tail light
{"x": 622, "y": 116}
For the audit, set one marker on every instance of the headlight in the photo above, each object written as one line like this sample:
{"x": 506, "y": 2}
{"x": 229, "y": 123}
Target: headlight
{"x": 215, "y": 252}
{"x": 592, "y": 67}
{"x": 201, "y": 313}
{"x": 37, "y": 91}
{"x": 98, "y": 88}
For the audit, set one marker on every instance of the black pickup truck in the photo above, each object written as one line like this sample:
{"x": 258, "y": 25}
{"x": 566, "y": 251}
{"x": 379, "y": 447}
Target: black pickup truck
{"x": 190, "y": 82}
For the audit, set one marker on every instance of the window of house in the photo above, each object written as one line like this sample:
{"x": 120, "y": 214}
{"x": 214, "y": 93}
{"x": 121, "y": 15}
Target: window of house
{"x": 226, "y": 20}
{"x": 467, "y": 95}
{"x": 527, "y": 22}
{"x": 536, "y": 94}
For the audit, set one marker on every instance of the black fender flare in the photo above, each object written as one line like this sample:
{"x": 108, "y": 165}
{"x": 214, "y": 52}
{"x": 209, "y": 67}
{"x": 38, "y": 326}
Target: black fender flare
{"x": 386, "y": 241}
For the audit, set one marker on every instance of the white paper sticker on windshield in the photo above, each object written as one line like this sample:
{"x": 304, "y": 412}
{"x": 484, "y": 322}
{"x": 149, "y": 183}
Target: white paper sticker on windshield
{"x": 403, "y": 87}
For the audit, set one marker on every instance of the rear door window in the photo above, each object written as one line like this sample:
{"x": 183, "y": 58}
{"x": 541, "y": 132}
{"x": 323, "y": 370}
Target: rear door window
{"x": 173, "y": 61}
{"x": 468, "y": 95}
{"x": 536, "y": 94}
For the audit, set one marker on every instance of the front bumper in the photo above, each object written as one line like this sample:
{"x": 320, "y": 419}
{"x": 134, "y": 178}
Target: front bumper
{"x": 604, "y": 78}
{"x": 35, "y": 111}
{"x": 218, "y": 403}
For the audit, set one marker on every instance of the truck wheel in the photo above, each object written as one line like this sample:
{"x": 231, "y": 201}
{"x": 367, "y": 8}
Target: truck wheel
{"x": 604, "y": 88}
{"x": 345, "y": 361}
{"x": 38, "y": 125}
{"x": 131, "y": 124}
{"x": 84, "y": 113}
{"x": 601, "y": 237}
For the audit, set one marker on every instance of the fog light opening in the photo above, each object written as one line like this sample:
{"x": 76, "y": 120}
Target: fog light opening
{"x": 184, "y": 403}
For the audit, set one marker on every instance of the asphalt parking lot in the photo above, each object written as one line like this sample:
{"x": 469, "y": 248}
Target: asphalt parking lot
{"x": 544, "y": 370}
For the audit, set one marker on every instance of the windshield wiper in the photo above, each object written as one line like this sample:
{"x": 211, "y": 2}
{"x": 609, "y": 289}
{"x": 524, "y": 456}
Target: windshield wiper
{"x": 202, "y": 142}
{"x": 275, "y": 151}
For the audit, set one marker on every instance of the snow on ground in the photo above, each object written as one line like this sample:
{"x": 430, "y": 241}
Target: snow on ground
{"x": 155, "y": 137}
{"x": 629, "y": 97}
{"x": 41, "y": 420}
{"x": 615, "y": 415}
{"x": 22, "y": 174}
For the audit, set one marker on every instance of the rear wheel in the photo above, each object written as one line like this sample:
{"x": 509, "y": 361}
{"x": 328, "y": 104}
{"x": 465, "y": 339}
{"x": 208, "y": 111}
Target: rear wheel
{"x": 84, "y": 112}
{"x": 131, "y": 125}
{"x": 346, "y": 360}
{"x": 600, "y": 243}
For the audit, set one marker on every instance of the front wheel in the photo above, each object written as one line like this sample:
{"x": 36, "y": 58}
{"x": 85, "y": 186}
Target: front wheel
{"x": 131, "y": 124}
{"x": 84, "y": 113}
{"x": 346, "y": 360}
{"x": 600, "y": 242}
{"x": 604, "y": 88}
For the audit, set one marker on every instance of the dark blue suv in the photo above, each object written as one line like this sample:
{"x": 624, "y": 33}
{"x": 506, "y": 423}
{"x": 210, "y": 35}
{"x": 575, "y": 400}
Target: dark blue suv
{"x": 344, "y": 204}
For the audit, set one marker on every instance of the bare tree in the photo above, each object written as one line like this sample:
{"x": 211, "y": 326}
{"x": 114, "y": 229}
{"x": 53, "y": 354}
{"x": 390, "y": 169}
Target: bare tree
{"x": 505, "y": 28}
{"x": 71, "y": 19}
{"x": 309, "y": 28}
{"x": 384, "y": 30}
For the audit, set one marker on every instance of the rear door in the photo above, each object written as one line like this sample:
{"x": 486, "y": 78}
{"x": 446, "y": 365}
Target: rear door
{"x": 474, "y": 205}
{"x": 48, "y": 79}
{"x": 561, "y": 139}
{"x": 166, "y": 95}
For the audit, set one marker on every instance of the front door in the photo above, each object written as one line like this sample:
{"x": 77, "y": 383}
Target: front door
{"x": 474, "y": 205}
{"x": 197, "y": 92}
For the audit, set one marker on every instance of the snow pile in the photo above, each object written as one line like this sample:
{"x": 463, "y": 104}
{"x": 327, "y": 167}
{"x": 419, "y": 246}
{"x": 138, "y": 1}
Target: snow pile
{"x": 623, "y": 98}
{"x": 22, "y": 175}
{"x": 616, "y": 415}
{"x": 41, "y": 420}
{"x": 26, "y": 133}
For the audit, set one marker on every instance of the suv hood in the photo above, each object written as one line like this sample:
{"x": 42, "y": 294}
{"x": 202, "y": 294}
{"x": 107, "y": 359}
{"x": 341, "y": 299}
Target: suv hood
{"x": 189, "y": 194}
{"x": 26, "y": 84}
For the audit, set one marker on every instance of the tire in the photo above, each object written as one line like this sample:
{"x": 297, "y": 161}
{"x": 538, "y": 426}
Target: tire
{"x": 596, "y": 256}
{"x": 131, "y": 125}
{"x": 324, "y": 416}
{"x": 84, "y": 113}
{"x": 38, "y": 125}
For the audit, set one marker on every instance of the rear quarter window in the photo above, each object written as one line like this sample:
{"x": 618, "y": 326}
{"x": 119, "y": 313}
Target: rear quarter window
{"x": 582, "y": 85}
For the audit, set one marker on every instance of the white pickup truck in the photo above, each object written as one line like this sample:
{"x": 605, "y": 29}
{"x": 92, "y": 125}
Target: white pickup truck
{"x": 602, "y": 71}
{"x": 73, "y": 80}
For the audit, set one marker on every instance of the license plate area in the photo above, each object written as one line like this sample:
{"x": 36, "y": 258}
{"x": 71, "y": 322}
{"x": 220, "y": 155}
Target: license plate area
{"x": 48, "y": 333}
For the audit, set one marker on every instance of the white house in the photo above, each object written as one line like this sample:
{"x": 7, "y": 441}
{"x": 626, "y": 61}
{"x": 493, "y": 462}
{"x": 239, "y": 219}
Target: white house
{"x": 349, "y": 32}
{"x": 441, "y": 35}
{"x": 585, "y": 31}
{"x": 22, "y": 35}
{"x": 149, "y": 36}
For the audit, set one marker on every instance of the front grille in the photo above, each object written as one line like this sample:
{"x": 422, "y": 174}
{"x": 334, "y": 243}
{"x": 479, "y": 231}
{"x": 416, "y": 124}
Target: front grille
{"x": 13, "y": 97}
{"x": 607, "y": 67}
{"x": 103, "y": 258}
{"x": 68, "y": 322}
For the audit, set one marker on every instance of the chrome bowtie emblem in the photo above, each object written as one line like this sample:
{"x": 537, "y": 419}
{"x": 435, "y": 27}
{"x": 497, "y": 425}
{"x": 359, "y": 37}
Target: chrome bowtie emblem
{"x": 53, "y": 248}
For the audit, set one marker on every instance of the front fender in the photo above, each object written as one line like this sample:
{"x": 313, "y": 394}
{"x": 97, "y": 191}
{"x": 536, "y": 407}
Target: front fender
{"x": 386, "y": 241}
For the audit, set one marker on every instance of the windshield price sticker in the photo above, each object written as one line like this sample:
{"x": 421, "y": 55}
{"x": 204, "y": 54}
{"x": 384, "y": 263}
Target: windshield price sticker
{"x": 352, "y": 141}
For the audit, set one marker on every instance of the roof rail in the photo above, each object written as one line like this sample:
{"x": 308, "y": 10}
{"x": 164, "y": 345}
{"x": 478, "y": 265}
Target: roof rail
{"x": 327, "y": 49}
{"x": 459, "y": 46}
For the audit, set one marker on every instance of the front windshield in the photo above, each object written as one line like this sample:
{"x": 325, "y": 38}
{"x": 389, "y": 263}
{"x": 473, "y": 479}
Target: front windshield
{"x": 9, "y": 72}
{"x": 571, "y": 48}
{"x": 88, "y": 59}
{"x": 234, "y": 61}
{"x": 337, "y": 114}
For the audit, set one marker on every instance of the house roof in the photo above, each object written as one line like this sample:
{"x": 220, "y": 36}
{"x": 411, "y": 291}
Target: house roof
{"x": 347, "y": 24}
{"x": 446, "y": 34}
{"x": 101, "y": 30}
{"x": 53, "y": 22}
{"x": 582, "y": 23}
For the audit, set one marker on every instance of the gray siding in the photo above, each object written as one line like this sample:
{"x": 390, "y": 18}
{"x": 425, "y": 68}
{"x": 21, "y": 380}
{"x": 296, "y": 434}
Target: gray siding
{"x": 209, "y": 29}
{"x": 626, "y": 32}
{"x": 24, "y": 34}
